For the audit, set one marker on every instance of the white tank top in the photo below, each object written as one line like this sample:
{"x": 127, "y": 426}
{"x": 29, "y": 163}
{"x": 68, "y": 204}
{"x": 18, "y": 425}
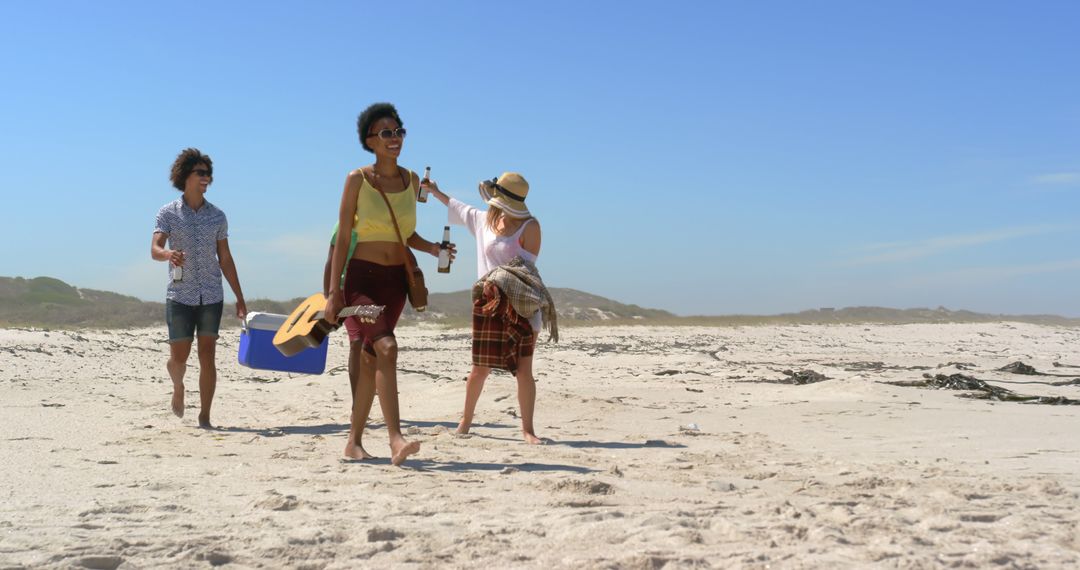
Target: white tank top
{"x": 500, "y": 250}
{"x": 492, "y": 249}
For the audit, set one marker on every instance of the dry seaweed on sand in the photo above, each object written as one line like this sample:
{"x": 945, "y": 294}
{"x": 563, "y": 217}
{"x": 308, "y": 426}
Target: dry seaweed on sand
{"x": 982, "y": 390}
{"x": 871, "y": 366}
{"x": 799, "y": 378}
{"x": 1019, "y": 367}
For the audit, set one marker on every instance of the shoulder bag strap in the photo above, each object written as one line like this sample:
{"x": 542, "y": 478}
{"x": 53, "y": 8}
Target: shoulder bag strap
{"x": 397, "y": 230}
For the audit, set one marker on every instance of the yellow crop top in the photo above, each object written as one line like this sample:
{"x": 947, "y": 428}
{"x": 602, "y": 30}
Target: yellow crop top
{"x": 373, "y": 221}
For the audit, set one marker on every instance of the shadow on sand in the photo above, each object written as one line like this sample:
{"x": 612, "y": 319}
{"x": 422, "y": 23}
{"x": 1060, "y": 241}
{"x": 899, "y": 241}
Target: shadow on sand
{"x": 448, "y": 425}
{"x": 331, "y": 429}
{"x": 463, "y": 466}
{"x": 616, "y": 444}
{"x": 320, "y": 429}
{"x": 457, "y": 466}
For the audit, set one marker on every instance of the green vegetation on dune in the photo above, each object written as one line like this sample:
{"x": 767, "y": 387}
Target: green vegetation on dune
{"x": 46, "y": 290}
{"x": 48, "y": 302}
{"x": 51, "y": 303}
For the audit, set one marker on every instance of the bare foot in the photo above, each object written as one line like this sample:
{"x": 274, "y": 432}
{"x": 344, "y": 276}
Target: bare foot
{"x": 204, "y": 421}
{"x": 178, "y": 400}
{"x": 462, "y": 428}
{"x": 532, "y": 439}
{"x": 402, "y": 450}
{"x": 357, "y": 452}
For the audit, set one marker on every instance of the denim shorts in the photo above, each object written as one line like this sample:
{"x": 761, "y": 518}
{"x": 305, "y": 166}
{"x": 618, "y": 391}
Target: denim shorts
{"x": 185, "y": 320}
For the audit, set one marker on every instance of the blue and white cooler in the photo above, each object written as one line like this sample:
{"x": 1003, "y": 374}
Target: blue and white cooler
{"x": 257, "y": 348}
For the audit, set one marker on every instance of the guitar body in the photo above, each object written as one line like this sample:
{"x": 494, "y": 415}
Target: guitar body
{"x": 306, "y": 328}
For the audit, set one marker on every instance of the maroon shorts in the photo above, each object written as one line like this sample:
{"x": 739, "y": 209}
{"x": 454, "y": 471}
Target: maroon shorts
{"x": 368, "y": 283}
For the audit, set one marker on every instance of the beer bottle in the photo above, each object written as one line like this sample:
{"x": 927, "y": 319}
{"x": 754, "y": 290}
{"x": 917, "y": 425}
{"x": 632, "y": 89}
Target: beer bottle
{"x": 421, "y": 193}
{"x": 178, "y": 271}
{"x": 444, "y": 251}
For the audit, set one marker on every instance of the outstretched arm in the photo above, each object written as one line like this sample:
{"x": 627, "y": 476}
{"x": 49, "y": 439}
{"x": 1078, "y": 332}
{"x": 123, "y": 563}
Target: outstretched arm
{"x": 433, "y": 188}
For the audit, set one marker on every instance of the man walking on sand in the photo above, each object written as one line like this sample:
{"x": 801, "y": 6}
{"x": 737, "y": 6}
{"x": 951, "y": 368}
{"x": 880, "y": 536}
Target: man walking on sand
{"x": 192, "y": 235}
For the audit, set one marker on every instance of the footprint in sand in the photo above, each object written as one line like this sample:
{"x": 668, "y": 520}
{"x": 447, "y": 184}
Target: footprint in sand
{"x": 278, "y": 502}
{"x": 380, "y": 534}
{"x": 583, "y": 487}
{"x": 99, "y": 562}
{"x": 215, "y": 558}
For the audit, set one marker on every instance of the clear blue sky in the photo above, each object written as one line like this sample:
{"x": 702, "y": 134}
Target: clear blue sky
{"x": 700, "y": 157}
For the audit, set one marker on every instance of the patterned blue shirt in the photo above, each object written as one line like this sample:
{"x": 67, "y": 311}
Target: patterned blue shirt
{"x": 196, "y": 233}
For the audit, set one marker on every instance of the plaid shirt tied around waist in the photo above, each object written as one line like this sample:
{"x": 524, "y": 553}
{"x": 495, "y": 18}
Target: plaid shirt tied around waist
{"x": 520, "y": 281}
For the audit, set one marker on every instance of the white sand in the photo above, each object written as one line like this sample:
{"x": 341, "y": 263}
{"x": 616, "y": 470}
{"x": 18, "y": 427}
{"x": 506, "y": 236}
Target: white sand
{"x": 849, "y": 472}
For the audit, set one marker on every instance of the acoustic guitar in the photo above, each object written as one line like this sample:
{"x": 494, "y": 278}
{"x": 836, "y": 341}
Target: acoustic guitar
{"x": 307, "y": 326}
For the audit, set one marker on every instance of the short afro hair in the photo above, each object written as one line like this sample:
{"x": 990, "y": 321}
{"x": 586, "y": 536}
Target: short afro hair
{"x": 185, "y": 162}
{"x": 373, "y": 113}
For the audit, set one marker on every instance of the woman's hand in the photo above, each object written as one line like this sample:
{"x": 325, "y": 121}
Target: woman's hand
{"x": 433, "y": 188}
{"x": 436, "y": 248}
{"x": 334, "y": 305}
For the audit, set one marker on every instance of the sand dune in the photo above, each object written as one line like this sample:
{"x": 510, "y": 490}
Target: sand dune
{"x": 669, "y": 448}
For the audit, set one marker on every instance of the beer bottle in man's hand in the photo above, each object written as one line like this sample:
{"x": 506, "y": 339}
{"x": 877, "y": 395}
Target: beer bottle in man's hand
{"x": 178, "y": 271}
{"x": 444, "y": 251}
{"x": 421, "y": 194}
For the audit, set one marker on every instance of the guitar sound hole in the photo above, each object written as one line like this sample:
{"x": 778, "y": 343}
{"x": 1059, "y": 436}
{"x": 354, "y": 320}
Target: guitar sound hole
{"x": 297, "y": 319}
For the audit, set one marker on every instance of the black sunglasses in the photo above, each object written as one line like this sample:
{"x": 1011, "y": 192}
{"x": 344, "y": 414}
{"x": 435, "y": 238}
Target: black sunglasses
{"x": 202, "y": 172}
{"x": 387, "y": 134}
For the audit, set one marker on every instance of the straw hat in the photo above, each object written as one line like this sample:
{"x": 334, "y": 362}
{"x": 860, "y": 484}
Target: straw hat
{"x": 507, "y": 193}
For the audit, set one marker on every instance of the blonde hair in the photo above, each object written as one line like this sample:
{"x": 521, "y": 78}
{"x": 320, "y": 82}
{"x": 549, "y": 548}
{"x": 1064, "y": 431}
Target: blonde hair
{"x": 495, "y": 213}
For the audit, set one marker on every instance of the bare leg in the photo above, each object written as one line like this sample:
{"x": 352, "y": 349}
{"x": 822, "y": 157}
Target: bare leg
{"x": 527, "y": 398}
{"x": 363, "y": 397}
{"x": 473, "y": 386}
{"x": 386, "y": 383}
{"x": 355, "y": 351}
{"x": 177, "y": 366}
{"x": 355, "y": 356}
{"x": 207, "y": 377}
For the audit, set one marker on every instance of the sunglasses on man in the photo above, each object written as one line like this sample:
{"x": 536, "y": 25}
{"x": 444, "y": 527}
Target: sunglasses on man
{"x": 202, "y": 172}
{"x": 387, "y": 134}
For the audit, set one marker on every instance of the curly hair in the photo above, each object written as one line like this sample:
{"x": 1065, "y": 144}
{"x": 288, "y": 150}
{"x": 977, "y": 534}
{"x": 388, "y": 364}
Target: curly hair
{"x": 185, "y": 162}
{"x": 373, "y": 113}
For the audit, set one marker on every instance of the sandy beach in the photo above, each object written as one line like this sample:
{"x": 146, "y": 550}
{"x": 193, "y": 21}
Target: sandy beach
{"x": 668, "y": 448}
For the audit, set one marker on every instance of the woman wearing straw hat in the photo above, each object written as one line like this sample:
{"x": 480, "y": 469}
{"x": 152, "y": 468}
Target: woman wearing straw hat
{"x": 507, "y": 238}
{"x": 379, "y": 204}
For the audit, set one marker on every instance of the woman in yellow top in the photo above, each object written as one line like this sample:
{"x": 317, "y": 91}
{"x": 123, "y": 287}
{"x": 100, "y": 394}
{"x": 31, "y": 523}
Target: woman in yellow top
{"x": 376, "y": 271}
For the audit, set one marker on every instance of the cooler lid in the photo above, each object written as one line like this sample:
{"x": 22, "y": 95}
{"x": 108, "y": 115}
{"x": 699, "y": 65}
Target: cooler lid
{"x": 264, "y": 321}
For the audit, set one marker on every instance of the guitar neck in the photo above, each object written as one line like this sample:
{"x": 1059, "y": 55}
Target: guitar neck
{"x": 346, "y": 312}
